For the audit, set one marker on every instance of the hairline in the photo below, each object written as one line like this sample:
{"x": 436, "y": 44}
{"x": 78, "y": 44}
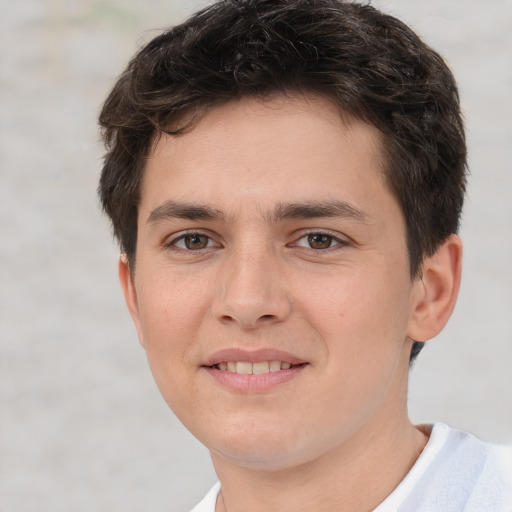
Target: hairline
{"x": 187, "y": 120}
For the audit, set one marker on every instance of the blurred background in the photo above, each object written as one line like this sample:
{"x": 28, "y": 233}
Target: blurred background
{"x": 82, "y": 425}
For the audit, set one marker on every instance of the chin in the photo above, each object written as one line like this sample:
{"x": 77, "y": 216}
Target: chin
{"x": 259, "y": 458}
{"x": 262, "y": 449}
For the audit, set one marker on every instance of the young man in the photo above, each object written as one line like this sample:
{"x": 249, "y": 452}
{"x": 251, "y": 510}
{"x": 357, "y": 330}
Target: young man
{"x": 285, "y": 178}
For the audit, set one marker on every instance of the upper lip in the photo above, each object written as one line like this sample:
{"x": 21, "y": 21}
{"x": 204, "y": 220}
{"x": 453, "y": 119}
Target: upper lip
{"x": 252, "y": 356}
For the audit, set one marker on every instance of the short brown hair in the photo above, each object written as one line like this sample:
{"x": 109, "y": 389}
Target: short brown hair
{"x": 374, "y": 66}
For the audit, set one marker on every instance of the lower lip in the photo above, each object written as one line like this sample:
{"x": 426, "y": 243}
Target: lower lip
{"x": 254, "y": 383}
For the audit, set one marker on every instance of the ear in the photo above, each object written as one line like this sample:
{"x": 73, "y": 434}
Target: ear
{"x": 126, "y": 279}
{"x": 436, "y": 290}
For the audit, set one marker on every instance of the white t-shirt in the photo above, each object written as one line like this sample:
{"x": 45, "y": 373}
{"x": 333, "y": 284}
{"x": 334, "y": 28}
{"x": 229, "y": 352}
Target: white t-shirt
{"x": 456, "y": 472}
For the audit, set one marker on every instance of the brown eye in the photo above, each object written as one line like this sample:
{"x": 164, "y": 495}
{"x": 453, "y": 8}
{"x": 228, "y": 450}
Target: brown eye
{"x": 195, "y": 241}
{"x": 192, "y": 242}
{"x": 320, "y": 241}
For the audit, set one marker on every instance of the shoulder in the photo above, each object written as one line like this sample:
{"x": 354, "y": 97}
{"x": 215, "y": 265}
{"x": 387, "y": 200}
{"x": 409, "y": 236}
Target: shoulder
{"x": 492, "y": 489}
{"x": 468, "y": 472}
{"x": 482, "y": 459}
{"x": 456, "y": 472}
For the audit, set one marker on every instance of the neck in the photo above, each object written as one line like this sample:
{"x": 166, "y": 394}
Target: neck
{"x": 357, "y": 476}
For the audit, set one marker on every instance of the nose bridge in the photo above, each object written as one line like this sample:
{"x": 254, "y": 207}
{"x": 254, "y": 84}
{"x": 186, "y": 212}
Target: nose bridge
{"x": 251, "y": 291}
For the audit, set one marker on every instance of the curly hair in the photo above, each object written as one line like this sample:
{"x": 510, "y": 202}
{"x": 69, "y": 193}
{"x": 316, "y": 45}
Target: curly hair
{"x": 374, "y": 66}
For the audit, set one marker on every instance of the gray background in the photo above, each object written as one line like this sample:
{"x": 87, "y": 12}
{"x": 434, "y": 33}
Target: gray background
{"x": 82, "y": 426}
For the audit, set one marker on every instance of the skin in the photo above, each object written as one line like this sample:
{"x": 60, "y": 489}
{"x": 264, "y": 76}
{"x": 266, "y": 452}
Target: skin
{"x": 331, "y": 288}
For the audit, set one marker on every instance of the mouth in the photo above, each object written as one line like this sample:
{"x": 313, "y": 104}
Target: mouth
{"x": 259, "y": 368}
{"x": 253, "y": 371}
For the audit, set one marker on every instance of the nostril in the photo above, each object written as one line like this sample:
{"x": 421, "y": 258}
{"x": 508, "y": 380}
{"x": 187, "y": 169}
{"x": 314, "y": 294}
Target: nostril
{"x": 227, "y": 319}
{"x": 260, "y": 311}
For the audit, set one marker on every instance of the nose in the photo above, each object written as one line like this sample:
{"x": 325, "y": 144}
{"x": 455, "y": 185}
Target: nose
{"x": 252, "y": 291}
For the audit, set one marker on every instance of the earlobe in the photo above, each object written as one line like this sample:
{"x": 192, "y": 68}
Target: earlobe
{"x": 436, "y": 290}
{"x": 126, "y": 279}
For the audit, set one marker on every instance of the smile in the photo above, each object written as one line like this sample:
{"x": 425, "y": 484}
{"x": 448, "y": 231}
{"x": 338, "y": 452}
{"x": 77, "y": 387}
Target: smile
{"x": 248, "y": 368}
{"x": 253, "y": 371}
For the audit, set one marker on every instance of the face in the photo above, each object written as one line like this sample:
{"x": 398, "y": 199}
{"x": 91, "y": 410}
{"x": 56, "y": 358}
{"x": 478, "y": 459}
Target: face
{"x": 272, "y": 291}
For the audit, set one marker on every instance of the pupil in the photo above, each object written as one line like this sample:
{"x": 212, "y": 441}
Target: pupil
{"x": 319, "y": 241}
{"x": 196, "y": 242}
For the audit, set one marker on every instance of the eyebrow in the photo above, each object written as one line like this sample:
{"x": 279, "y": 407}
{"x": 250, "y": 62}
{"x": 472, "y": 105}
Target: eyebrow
{"x": 283, "y": 211}
{"x": 312, "y": 210}
{"x": 175, "y": 210}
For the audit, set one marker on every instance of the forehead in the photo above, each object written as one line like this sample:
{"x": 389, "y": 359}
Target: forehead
{"x": 266, "y": 151}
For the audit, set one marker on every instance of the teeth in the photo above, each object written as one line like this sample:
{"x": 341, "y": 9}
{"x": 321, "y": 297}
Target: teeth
{"x": 275, "y": 366}
{"x": 243, "y": 367}
{"x": 263, "y": 367}
{"x": 247, "y": 368}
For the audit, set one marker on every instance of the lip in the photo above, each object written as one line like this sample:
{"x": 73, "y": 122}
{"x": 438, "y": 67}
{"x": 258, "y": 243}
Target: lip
{"x": 252, "y": 356}
{"x": 253, "y": 383}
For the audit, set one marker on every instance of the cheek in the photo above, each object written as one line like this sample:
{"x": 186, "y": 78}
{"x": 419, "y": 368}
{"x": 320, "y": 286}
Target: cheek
{"x": 169, "y": 303}
{"x": 169, "y": 330}
{"x": 361, "y": 316}
{"x": 170, "y": 313}
{"x": 362, "y": 324}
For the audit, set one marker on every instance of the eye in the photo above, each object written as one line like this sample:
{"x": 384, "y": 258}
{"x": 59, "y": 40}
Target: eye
{"x": 192, "y": 242}
{"x": 319, "y": 241}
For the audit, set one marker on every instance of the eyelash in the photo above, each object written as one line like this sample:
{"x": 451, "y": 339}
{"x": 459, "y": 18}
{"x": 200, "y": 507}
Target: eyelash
{"x": 334, "y": 239}
{"x": 331, "y": 238}
{"x": 172, "y": 244}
